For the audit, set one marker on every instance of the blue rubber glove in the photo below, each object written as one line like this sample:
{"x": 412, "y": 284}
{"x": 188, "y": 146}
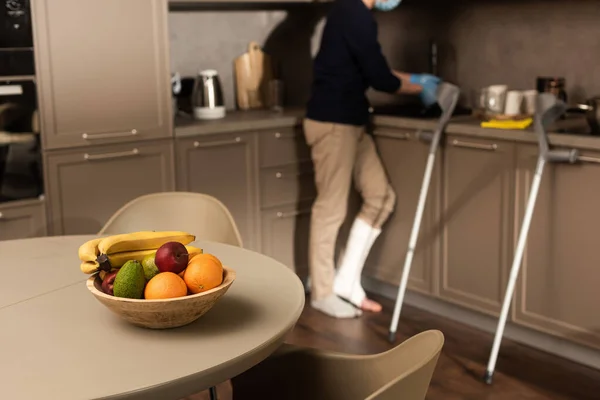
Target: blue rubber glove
{"x": 430, "y": 84}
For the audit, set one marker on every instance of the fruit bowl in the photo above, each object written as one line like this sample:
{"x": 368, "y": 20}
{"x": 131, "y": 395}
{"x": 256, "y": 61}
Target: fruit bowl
{"x": 163, "y": 313}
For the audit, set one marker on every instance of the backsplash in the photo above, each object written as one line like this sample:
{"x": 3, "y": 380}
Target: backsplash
{"x": 213, "y": 39}
{"x": 513, "y": 42}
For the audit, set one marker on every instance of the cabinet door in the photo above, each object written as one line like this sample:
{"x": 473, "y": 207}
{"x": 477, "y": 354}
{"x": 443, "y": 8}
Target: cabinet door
{"x": 404, "y": 157}
{"x": 103, "y": 71}
{"x": 285, "y": 234}
{"x": 478, "y": 180}
{"x": 558, "y": 287}
{"x": 86, "y": 187}
{"x": 23, "y": 219}
{"x": 223, "y": 166}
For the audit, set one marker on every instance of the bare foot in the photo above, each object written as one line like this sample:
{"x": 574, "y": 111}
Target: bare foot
{"x": 370, "y": 305}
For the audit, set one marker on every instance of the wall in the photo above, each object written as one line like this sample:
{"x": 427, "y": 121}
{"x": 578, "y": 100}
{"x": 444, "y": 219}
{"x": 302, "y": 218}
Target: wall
{"x": 513, "y": 41}
{"x": 209, "y": 38}
{"x": 481, "y": 42}
{"x": 213, "y": 38}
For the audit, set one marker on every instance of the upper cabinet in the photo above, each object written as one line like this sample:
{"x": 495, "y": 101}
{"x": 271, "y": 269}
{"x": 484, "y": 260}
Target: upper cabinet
{"x": 103, "y": 69}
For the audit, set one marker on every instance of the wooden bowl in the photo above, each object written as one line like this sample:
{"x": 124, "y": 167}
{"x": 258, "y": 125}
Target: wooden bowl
{"x": 162, "y": 314}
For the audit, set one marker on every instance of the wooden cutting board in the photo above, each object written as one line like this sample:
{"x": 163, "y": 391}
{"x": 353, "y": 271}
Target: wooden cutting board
{"x": 253, "y": 71}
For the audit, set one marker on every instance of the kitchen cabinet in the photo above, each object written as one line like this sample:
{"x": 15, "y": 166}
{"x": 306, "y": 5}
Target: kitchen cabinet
{"x": 103, "y": 71}
{"x": 22, "y": 219}
{"x": 287, "y": 184}
{"x": 404, "y": 157}
{"x": 223, "y": 166}
{"x": 285, "y": 234}
{"x": 478, "y": 176}
{"x": 557, "y": 292}
{"x": 87, "y": 186}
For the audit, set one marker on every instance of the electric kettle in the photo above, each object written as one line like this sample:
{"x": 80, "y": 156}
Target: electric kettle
{"x": 207, "y": 96}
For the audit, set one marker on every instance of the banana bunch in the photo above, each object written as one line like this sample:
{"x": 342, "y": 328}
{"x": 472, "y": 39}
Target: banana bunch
{"x": 104, "y": 254}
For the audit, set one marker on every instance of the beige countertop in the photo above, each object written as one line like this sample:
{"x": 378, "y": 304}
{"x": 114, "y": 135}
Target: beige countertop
{"x": 57, "y": 340}
{"x": 239, "y": 121}
{"x": 470, "y": 126}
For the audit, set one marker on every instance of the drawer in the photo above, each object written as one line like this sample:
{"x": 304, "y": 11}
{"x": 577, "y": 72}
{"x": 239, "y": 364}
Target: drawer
{"x": 287, "y": 185}
{"x": 284, "y": 146}
{"x": 23, "y": 219}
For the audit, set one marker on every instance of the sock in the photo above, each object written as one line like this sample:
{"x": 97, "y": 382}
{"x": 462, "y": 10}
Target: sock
{"x": 335, "y": 307}
{"x": 347, "y": 284}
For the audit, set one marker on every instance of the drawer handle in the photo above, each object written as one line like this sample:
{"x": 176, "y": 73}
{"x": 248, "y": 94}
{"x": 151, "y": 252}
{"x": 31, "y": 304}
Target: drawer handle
{"x": 292, "y": 213}
{"x": 469, "y": 145}
{"x": 108, "y": 156}
{"x": 95, "y": 136}
{"x": 198, "y": 144}
{"x": 1, "y": 215}
{"x": 589, "y": 159}
{"x": 281, "y": 175}
{"x": 279, "y": 135}
{"x": 400, "y": 136}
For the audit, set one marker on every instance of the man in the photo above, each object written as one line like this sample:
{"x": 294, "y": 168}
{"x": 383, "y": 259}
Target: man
{"x": 349, "y": 61}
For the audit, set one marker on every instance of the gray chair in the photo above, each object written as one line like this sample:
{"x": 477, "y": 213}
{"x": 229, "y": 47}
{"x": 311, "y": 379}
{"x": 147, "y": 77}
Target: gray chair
{"x": 196, "y": 213}
{"x": 293, "y": 372}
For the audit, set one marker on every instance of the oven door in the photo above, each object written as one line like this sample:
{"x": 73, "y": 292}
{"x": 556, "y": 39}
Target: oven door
{"x": 20, "y": 155}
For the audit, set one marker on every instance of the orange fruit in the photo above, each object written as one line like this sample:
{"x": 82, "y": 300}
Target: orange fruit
{"x": 204, "y": 272}
{"x": 165, "y": 285}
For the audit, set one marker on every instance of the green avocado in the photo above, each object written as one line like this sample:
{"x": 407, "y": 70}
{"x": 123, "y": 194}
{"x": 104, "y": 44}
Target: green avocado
{"x": 130, "y": 281}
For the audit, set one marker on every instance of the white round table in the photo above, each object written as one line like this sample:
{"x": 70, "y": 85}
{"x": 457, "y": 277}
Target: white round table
{"x": 58, "y": 341}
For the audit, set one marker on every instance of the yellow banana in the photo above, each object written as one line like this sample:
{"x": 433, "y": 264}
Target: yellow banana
{"x": 145, "y": 240}
{"x": 89, "y": 267}
{"x": 192, "y": 251}
{"x": 89, "y": 250}
{"x": 117, "y": 260}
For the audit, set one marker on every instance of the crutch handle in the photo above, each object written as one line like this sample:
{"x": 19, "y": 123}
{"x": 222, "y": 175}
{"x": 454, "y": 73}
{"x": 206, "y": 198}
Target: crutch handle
{"x": 563, "y": 156}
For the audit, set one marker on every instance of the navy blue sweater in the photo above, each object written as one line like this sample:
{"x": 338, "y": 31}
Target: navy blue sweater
{"x": 348, "y": 63}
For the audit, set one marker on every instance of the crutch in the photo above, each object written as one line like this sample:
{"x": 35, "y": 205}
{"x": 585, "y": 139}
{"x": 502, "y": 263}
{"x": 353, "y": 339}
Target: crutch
{"x": 447, "y": 97}
{"x": 549, "y": 108}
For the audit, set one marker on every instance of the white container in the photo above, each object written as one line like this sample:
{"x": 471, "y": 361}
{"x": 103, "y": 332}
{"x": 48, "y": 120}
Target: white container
{"x": 529, "y": 100}
{"x": 514, "y": 99}
{"x": 496, "y": 95}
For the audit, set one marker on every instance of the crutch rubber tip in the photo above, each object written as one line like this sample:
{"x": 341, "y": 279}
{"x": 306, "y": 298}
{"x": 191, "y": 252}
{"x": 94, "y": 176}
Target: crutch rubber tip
{"x": 488, "y": 377}
{"x": 392, "y": 337}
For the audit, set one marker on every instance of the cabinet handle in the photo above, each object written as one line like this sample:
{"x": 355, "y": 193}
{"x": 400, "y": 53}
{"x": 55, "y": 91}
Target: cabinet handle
{"x": 1, "y": 215}
{"x": 400, "y": 136}
{"x": 95, "y": 136}
{"x": 198, "y": 144}
{"x": 281, "y": 175}
{"x": 292, "y": 213}
{"x": 279, "y": 135}
{"x": 108, "y": 156}
{"x": 469, "y": 145}
{"x": 589, "y": 159}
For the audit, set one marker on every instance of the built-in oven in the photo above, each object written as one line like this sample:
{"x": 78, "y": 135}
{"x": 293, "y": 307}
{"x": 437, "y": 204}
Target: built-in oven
{"x": 16, "y": 38}
{"x": 20, "y": 149}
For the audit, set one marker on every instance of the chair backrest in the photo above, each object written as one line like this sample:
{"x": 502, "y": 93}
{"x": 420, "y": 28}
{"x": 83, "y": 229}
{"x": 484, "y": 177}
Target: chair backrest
{"x": 405, "y": 371}
{"x": 196, "y": 213}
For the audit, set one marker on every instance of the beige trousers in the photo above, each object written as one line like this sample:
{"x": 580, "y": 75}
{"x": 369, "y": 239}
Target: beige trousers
{"x": 341, "y": 153}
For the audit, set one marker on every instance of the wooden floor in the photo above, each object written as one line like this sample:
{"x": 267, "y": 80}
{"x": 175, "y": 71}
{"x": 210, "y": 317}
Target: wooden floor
{"x": 522, "y": 372}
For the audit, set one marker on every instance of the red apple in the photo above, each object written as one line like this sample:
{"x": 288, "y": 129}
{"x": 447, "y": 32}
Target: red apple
{"x": 108, "y": 282}
{"x": 171, "y": 257}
